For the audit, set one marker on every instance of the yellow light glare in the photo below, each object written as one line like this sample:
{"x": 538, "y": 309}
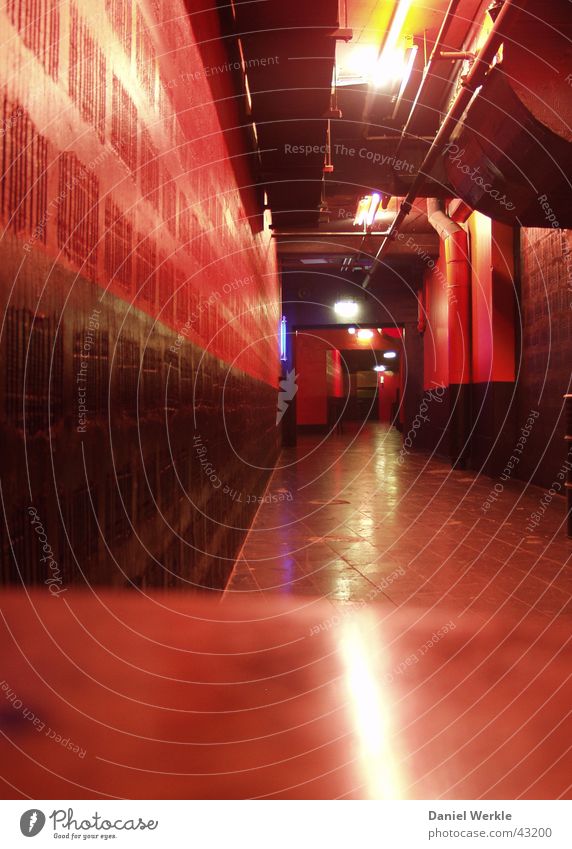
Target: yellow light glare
{"x": 356, "y": 63}
{"x": 367, "y": 209}
{"x": 393, "y": 63}
{"x": 392, "y": 68}
{"x": 373, "y": 205}
{"x": 361, "y": 212}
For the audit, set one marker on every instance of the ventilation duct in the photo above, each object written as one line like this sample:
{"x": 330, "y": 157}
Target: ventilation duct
{"x": 512, "y": 157}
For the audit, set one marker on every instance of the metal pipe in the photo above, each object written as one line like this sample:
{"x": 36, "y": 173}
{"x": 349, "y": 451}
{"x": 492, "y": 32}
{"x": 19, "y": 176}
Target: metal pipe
{"x": 568, "y": 464}
{"x": 300, "y": 234}
{"x": 458, "y": 273}
{"x": 456, "y": 54}
{"x": 440, "y": 222}
{"x": 396, "y": 136}
{"x": 469, "y": 88}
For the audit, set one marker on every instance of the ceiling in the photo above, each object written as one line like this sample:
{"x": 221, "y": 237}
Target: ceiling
{"x": 328, "y": 98}
{"x": 292, "y": 53}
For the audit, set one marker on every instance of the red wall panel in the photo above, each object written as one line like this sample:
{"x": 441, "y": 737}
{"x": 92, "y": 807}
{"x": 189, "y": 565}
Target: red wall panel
{"x": 436, "y": 338}
{"x": 92, "y": 117}
{"x": 335, "y": 374}
{"x": 140, "y": 298}
{"x": 312, "y": 397}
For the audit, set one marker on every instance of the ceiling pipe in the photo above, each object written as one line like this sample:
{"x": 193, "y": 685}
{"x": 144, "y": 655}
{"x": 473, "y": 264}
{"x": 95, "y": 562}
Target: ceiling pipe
{"x": 395, "y": 19}
{"x": 458, "y": 276}
{"x": 437, "y": 47}
{"x": 441, "y": 222}
{"x": 391, "y": 137}
{"x": 457, "y": 54}
{"x": 467, "y": 92}
{"x": 300, "y": 234}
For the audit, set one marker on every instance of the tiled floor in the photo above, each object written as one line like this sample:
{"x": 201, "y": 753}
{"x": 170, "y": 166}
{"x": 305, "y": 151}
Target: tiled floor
{"x": 380, "y": 638}
{"x": 355, "y": 525}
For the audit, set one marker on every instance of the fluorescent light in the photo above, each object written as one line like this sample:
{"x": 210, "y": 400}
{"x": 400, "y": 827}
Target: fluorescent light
{"x": 354, "y": 63}
{"x": 365, "y": 334}
{"x": 379, "y": 368}
{"x": 389, "y": 355}
{"x": 283, "y": 340}
{"x": 374, "y": 203}
{"x": 346, "y": 309}
{"x": 409, "y": 59}
{"x": 366, "y": 210}
{"x": 394, "y": 67}
{"x": 393, "y": 63}
{"x": 362, "y": 211}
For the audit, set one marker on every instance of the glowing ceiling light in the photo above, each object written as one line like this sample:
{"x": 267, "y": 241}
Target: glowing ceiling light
{"x": 410, "y": 55}
{"x": 379, "y": 368}
{"x": 362, "y": 211}
{"x": 351, "y": 330}
{"x": 346, "y": 309}
{"x": 364, "y": 334}
{"x": 366, "y": 210}
{"x": 390, "y": 68}
{"x": 389, "y": 355}
{"x": 393, "y": 62}
{"x": 354, "y": 63}
{"x": 373, "y": 205}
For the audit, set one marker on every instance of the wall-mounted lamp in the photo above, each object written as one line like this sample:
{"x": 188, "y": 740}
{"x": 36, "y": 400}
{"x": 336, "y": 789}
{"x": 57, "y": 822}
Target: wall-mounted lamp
{"x": 379, "y": 368}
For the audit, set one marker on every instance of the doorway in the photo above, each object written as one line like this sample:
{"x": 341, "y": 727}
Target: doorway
{"x": 347, "y": 375}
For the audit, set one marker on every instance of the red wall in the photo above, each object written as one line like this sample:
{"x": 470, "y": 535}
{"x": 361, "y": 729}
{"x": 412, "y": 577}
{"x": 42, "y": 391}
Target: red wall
{"x": 312, "y": 397}
{"x": 131, "y": 252}
{"x": 493, "y": 299}
{"x": 492, "y": 307}
{"x": 335, "y": 373}
{"x": 435, "y": 340}
{"x": 314, "y": 384}
{"x": 131, "y": 183}
{"x": 481, "y": 297}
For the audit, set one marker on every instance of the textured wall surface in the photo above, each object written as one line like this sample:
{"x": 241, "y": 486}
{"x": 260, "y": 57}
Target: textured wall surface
{"x": 546, "y": 356}
{"x": 521, "y": 328}
{"x": 139, "y": 300}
